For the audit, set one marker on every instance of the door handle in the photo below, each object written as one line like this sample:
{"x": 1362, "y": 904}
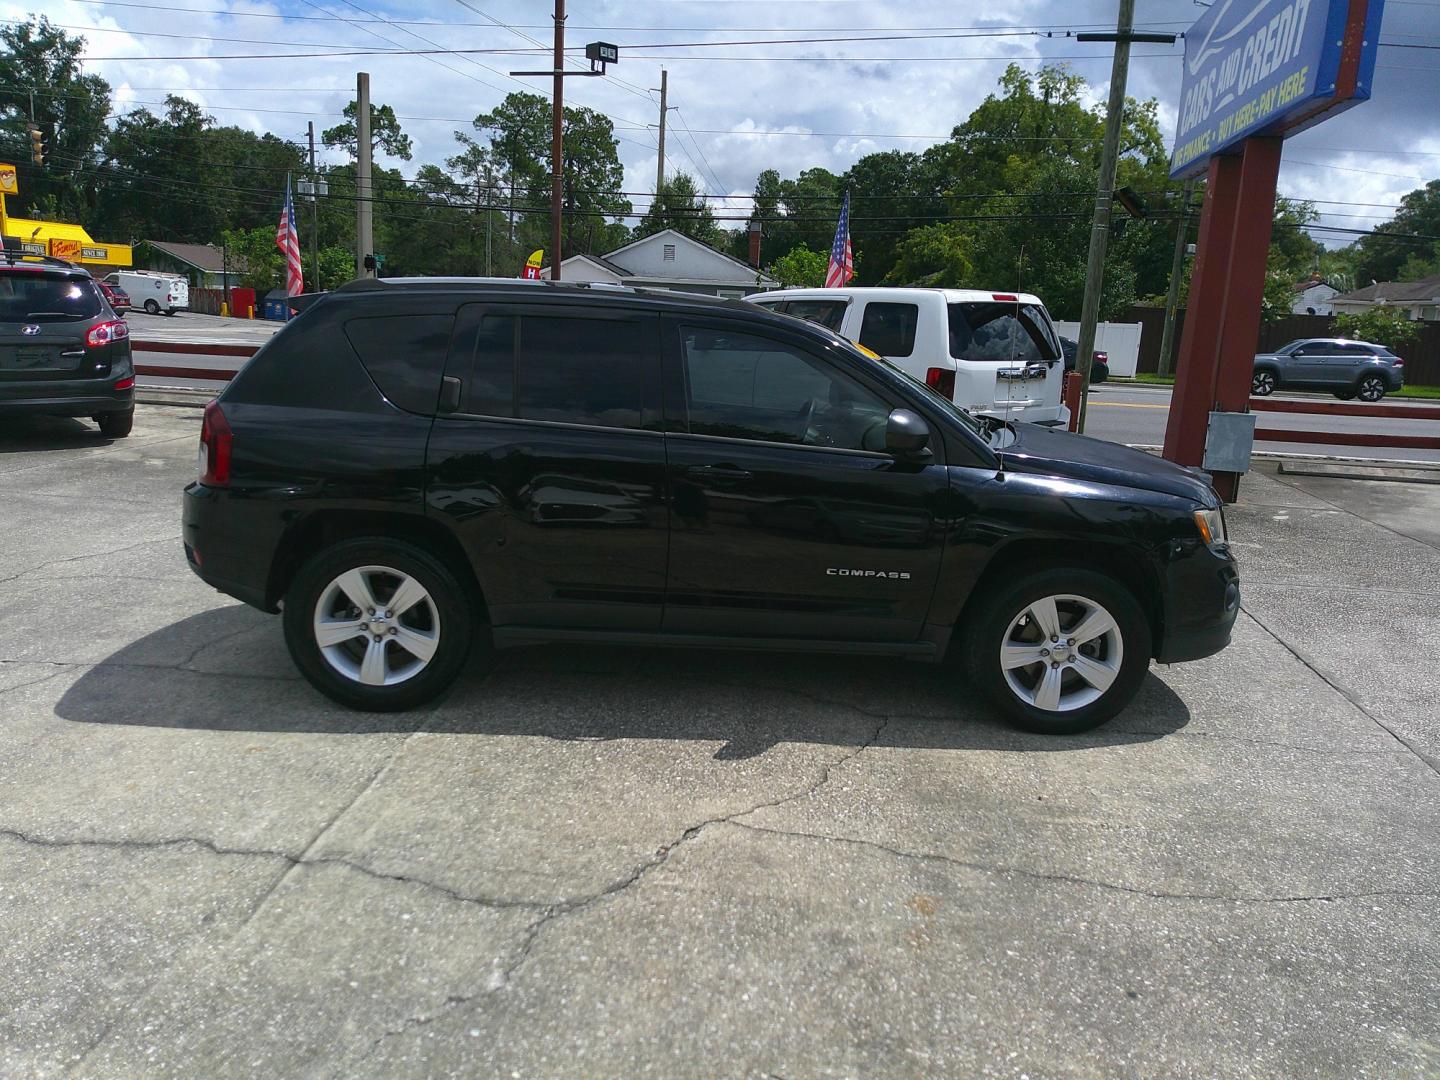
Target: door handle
{"x": 449, "y": 394}
{"x": 718, "y": 474}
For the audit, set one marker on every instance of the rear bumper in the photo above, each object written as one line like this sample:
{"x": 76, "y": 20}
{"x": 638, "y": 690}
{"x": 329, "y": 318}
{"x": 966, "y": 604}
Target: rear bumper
{"x": 88, "y": 397}
{"x": 210, "y": 528}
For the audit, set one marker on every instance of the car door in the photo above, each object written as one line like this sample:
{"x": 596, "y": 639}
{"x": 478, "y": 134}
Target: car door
{"x": 1310, "y": 363}
{"x": 788, "y": 518}
{"x": 548, "y": 460}
{"x": 1346, "y": 365}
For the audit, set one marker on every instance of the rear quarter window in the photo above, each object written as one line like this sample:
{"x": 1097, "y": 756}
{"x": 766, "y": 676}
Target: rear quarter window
{"x": 405, "y": 355}
{"x": 309, "y": 364}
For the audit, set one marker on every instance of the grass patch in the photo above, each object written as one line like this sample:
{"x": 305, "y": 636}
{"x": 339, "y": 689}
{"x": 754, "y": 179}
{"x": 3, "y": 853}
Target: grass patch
{"x": 1432, "y": 392}
{"x": 1152, "y": 378}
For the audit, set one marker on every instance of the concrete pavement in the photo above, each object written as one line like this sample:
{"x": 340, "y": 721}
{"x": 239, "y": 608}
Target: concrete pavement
{"x": 610, "y": 862}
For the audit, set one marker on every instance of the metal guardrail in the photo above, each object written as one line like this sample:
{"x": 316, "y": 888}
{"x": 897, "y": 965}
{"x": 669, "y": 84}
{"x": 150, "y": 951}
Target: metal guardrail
{"x": 1347, "y": 438}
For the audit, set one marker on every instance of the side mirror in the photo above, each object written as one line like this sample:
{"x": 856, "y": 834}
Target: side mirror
{"x": 906, "y": 433}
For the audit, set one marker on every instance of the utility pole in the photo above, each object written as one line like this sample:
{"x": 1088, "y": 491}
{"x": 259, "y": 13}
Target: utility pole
{"x": 489, "y": 216}
{"x": 1177, "y": 274}
{"x": 314, "y": 210}
{"x": 1104, "y": 190}
{"x": 660, "y": 165}
{"x": 557, "y": 152}
{"x": 364, "y": 238}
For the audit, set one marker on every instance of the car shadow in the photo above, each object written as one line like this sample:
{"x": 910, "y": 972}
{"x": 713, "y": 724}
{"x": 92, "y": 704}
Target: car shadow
{"x": 227, "y": 670}
{"x": 26, "y": 434}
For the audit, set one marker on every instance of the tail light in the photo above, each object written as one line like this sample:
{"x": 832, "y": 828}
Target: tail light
{"x": 1005, "y": 296}
{"x": 106, "y": 332}
{"x": 1102, "y": 357}
{"x": 1397, "y": 362}
{"x": 942, "y": 380}
{"x": 125, "y": 383}
{"x": 215, "y": 443}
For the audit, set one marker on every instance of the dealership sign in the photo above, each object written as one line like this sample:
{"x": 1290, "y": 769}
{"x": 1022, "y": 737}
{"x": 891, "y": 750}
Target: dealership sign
{"x": 1270, "y": 67}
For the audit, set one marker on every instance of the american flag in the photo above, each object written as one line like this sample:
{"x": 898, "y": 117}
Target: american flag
{"x": 842, "y": 255}
{"x": 288, "y": 241}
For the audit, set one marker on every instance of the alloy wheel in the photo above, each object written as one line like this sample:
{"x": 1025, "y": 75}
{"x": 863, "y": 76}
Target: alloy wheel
{"x": 1372, "y": 388}
{"x": 1061, "y": 653}
{"x": 1262, "y": 383}
{"x": 376, "y": 625}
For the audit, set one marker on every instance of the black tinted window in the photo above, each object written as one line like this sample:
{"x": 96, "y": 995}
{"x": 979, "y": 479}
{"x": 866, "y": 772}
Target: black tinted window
{"x": 308, "y": 364}
{"x": 490, "y": 374}
{"x": 745, "y": 386}
{"x": 27, "y": 295}
{"x": 582, "y": 371}
{"x": 889, "y": 329}
{"x": 405, "y": 355}
{"x": 828, "y": 313}
{"x": 999, "y": 331}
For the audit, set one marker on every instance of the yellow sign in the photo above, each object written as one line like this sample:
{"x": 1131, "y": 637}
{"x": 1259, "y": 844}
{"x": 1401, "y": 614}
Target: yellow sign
{"x": 9, "y": 181}
{"x": 65, "y": 249}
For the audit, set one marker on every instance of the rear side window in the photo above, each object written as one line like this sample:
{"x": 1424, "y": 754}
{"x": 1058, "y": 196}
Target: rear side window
{"x": 828, "y": 313}
{"x": 889, "y": 329}
{"x": 581, "y": 371}
{"x": 405, "y": 355}
{"x": 559, "y": 368}
{"x": 1000, "y": 331}
{"x": 26, "y": 296}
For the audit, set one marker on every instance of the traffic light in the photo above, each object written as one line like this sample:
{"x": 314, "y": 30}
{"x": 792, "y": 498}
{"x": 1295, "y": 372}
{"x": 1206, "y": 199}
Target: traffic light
{"x": 369, "y": 262}
{"x": 38, "y": 145}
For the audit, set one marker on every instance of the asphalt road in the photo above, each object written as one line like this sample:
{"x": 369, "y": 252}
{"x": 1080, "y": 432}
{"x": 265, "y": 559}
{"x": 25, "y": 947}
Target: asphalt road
{"x": 1137, "y": 415}
{"x": 190, "y": 327}
{"x": 610, "y": 862}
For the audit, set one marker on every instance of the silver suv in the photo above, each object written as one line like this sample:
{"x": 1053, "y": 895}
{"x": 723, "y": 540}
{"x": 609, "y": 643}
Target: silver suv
{"x": 1350, "y": 369}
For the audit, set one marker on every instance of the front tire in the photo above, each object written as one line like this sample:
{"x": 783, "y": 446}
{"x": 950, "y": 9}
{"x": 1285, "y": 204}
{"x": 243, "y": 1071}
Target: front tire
{"x": 116, "y": 425}
{"x": 379, "y": 625}
{"x": 1059, "y": 651}
{"x": 1370, "y": 388}
{"x": 1262, "y": 383}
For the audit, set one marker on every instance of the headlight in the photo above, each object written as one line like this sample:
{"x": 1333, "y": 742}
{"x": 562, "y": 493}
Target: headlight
{"x": 1211, "y": 524}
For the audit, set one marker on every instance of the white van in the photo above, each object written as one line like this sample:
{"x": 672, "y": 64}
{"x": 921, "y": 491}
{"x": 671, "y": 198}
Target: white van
{"x": 992, "y": 353}
{"x": 153, "y": 291}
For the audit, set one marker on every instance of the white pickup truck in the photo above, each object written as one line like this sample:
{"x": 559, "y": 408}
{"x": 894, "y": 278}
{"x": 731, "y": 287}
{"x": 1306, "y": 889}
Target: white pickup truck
{"x": 153, "y": 291}
{"x": 992, "y": 353}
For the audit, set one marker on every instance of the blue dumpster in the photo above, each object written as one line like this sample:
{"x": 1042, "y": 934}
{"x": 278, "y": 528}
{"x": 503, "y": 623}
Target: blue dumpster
{"x": 277, "y": 305}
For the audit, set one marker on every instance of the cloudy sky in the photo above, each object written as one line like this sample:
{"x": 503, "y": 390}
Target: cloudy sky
{"x": 741, "y": 107}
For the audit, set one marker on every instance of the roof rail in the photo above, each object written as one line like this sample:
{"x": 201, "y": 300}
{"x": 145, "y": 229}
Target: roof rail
{"x": 12, "y": 257}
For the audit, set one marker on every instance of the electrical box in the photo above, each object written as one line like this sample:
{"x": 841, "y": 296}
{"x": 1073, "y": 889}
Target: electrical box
{"x": 1228, "y": 441}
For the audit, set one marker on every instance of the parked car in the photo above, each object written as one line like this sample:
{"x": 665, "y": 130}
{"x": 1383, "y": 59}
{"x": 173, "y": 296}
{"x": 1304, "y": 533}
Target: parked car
{"x": 153, "y": 291}
{"x": 410, "y": 460}
{"x": 993, "y": 353}
{"x": 116, "y": 297}
{"x": 1349, "y": 369}
{"x": 1099, "y": 360}
{"x": 63, "y": 352}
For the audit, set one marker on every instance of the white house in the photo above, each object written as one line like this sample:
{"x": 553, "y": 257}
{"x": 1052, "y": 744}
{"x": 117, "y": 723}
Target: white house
{"x": 1414, "y": 299}
{"x": 668, "y": 260}
{"x": 1313, "y": 297}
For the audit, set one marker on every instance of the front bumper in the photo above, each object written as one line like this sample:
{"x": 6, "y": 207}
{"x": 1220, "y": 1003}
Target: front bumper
{"x": 1202, "y": 601}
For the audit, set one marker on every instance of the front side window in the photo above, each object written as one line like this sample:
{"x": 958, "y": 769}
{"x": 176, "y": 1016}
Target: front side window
{"x": 744, "y": 386}
{"x": 889, "y": 329}
{"x": 998, "y": 331}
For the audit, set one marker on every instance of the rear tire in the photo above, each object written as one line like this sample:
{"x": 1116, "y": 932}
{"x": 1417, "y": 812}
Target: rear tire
{"x": 116, "y": 425}
{"x": 1067, "y": 688}
{"x": 374, "y": 657}
{"x": 1262, "y": 383}
{"x": 1345, "y": 395}
{"x": 152, "y": 308}
{"x": 1370, "y": 388}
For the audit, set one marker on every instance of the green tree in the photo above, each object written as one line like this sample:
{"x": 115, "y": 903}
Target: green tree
{"x": 800, "y": 268}
{"x": 677, "y": 206}
{"x": 70, "y": 109}
{"x": 254, "y": 259}
{"x": 935, "y": 256}
{"x": 385, "y": 133}
{"x": 1378, "y": 326}
{"x": 1381, "y": 255}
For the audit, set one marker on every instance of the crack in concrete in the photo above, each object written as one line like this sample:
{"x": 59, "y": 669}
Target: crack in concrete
{"x": 292, "y": 861}
{"x": 1354, "y": 699}
{"x": 501, "y": 978}
{"x": 1072, "y": 879}
{"x": 90, "y": 555}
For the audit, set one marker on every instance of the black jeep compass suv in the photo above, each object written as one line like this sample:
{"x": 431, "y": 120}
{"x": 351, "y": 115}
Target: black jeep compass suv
{"x": 409, "y": 462}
